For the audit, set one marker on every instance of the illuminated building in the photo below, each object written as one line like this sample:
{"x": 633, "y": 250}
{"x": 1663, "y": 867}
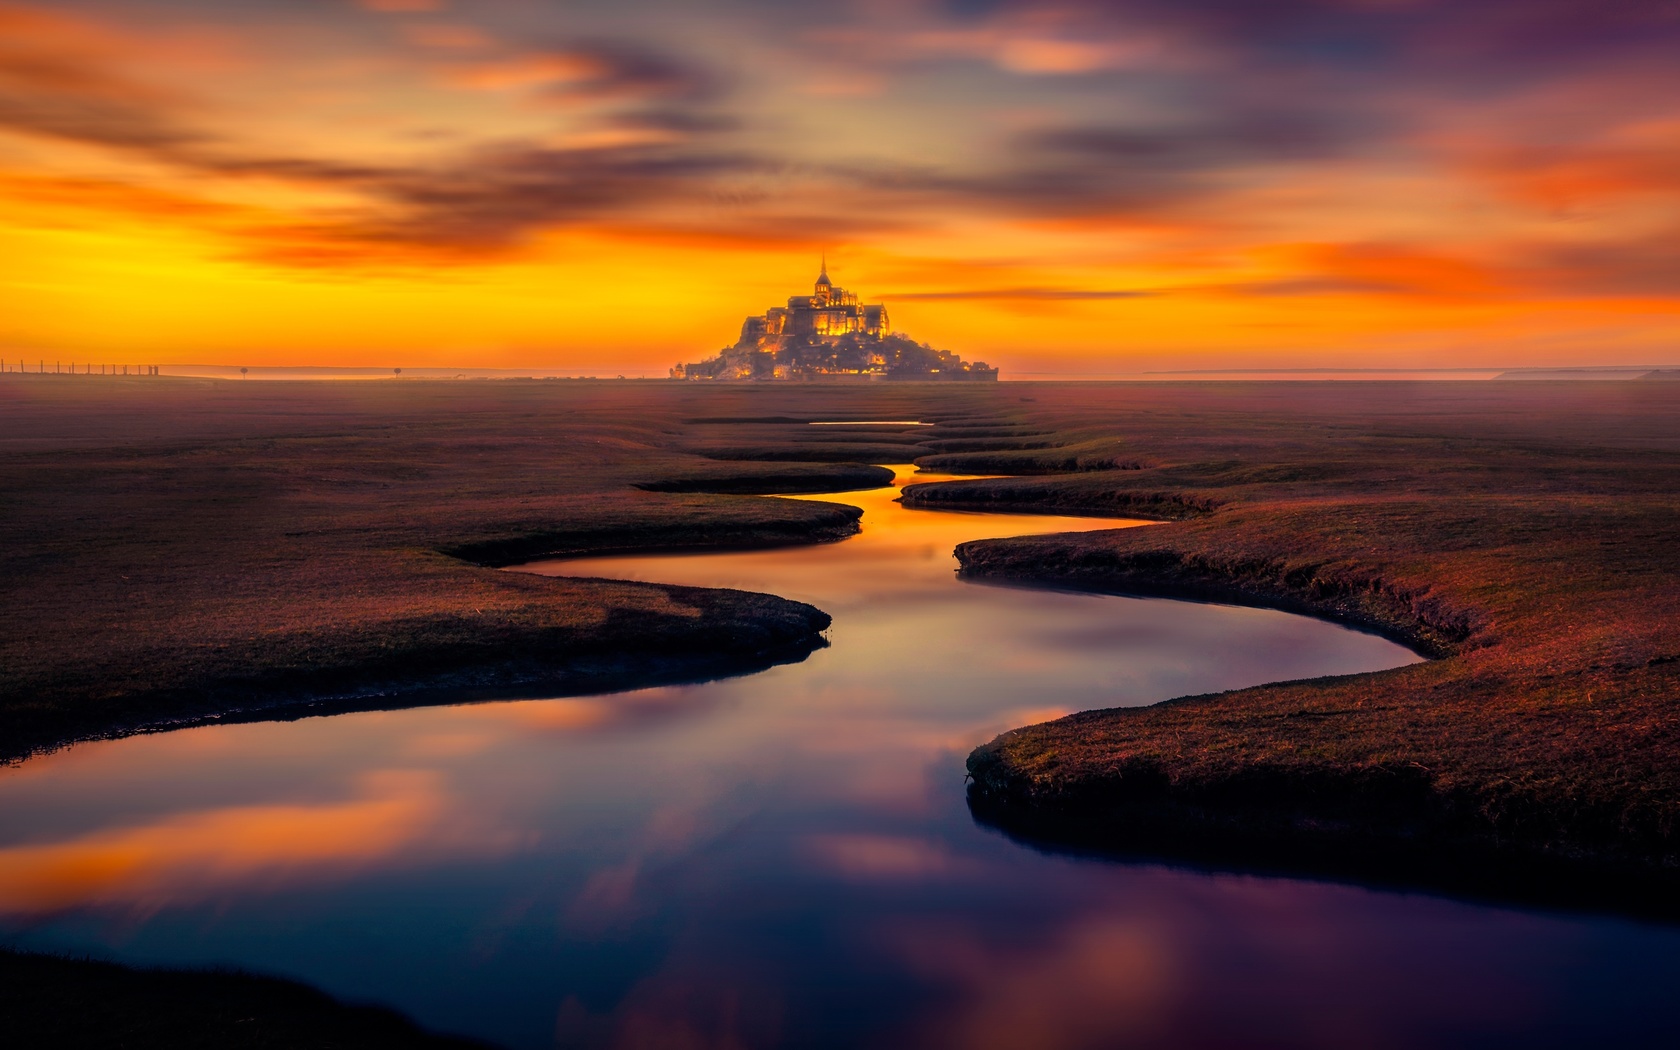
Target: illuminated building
{"x": 829, "y": 334}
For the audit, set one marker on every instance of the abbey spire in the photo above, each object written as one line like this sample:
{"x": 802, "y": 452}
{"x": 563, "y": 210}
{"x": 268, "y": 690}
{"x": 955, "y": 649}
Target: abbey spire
{"x": 824, "y": 289}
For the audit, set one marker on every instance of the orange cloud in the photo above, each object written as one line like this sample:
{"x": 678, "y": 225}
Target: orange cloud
{"x": 44, "y": 195}
{"x": 1036, "y": 41}
{"x": 1020, "y": 53}
{"x": 1116, "y": 184}
{"x": 402, "y": 6}
{"x": 448, "y": 36}
{"x": 528, "y": 71}
{"x": 1564, "y": 178}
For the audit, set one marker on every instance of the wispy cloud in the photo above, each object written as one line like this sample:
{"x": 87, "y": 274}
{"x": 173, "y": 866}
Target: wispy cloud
{"x": 485, "y": 203}
{"x": 470, "y": 203}
{"x": 402, "y": 6}
{"x": 593, "y": 72}
{"x": 1388, "y": 157}
{"x": 1043, "y": 294}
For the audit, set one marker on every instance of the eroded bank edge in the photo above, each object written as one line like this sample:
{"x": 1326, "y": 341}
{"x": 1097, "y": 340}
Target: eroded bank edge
{"x": 1377, "y": 825}
{"x": 737, "y": 633}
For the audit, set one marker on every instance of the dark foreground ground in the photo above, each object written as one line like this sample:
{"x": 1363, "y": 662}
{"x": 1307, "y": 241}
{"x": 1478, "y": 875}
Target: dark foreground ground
{"x": 48, "y": 1001}
{"x": 173, "y": 551}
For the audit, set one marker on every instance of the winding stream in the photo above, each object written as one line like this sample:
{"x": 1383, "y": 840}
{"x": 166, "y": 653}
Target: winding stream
{"x": 787, "y": 858}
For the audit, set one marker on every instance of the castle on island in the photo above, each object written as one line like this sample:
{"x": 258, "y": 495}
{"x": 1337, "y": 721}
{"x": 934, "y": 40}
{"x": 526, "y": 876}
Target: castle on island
{"x": 829, "y": 335}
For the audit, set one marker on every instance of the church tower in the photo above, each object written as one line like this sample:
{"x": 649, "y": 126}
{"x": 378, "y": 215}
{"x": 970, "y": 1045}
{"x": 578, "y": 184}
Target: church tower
{"x": 825, "y": 287}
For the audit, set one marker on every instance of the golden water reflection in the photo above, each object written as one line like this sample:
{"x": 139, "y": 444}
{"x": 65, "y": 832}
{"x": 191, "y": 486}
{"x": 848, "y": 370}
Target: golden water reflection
{"x": 901, "y": 554}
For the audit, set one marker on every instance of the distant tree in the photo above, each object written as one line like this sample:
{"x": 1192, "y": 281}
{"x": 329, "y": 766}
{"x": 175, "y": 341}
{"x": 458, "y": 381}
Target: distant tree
{"x": 396, "y": 371}
{"x": 243, "y": 373}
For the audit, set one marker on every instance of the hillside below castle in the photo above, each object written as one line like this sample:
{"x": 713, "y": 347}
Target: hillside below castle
{"x": 830, "y": 335}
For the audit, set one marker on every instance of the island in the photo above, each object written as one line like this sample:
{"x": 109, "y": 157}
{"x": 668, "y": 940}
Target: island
{"x": 830, "y": 335}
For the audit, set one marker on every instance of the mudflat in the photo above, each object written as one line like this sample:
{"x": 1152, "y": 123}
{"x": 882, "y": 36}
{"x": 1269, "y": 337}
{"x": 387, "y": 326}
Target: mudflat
{"x": 1526, "y": 538}
{"x": 179, "y": 550}
{"x": 174, "y": 550}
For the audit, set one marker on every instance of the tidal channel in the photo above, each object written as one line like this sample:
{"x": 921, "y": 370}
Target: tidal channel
{"x": 787, "y": 858}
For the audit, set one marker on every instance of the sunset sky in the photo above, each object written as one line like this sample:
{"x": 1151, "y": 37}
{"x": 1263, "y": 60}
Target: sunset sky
{"x": 1058, "y": 186}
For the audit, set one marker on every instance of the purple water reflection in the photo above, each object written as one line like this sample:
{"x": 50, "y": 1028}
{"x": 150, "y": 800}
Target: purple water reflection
{"x": 787, "y": 858}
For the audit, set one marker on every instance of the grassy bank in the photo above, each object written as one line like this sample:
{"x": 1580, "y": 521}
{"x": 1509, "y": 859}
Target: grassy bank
{"x": 179, "y": 550}
{"x": 1525, "y": 538}
{"x": 174, "y": 551}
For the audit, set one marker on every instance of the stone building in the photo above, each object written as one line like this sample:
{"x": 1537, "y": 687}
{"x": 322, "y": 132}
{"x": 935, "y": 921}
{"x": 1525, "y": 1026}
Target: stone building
{"x": 829, "y": 334}
{"x": 827, "y": 313}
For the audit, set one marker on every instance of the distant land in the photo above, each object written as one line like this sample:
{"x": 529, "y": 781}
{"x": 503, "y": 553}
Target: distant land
{"x": 1601, "y": 374}
{"x": 1574, "y": 372}
{"x": 829, "y": 334}
{"x": 598, "y": 371}
{"x": 215, "y": 371}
